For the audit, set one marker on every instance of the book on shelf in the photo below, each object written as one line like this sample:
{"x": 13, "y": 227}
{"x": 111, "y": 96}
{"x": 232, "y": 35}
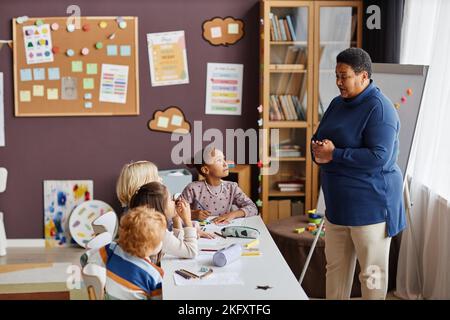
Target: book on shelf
{"x": 286, "y": 151}
{"x": 291, "y": 28}
{"x": 291, "y": 185}
{"x": 282, "y": 29}
{"x": 286, "y": 107}
{"x": 286, "y": 29}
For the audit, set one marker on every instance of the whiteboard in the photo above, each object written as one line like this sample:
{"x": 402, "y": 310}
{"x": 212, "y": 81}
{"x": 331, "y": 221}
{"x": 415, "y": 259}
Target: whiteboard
{"x": 394, "y": 80}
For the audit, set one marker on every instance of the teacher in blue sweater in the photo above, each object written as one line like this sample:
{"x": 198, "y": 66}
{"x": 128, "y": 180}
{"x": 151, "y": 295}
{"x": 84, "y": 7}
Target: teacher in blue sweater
{"x": 356, "y": 147}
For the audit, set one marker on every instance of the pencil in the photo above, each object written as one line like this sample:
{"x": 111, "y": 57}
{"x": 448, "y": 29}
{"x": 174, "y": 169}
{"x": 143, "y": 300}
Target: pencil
{"x": 220, "y": 235}
{"x": 190, "y": 273}
{"x": 212, "y": 250}
{"x": 184, "y": 275}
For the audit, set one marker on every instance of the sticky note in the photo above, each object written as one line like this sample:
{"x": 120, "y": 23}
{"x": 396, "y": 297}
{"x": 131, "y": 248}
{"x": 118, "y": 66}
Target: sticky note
{"x": 25, "y": 96}
{"x": 38, "y": 91}
{"x": 125, "y": 51}
{"x": 163, "y": 122}
{"x": 39, "y": 73}
{"x": 88, "y": 105}
{"x": 91, "y": 68}
{"x": 52, "y": 94}
{"x": 88, "y": 96}
{"x": 25, "y": 75}
{"x": 233, "y": 28}
{"x": 216, "y": 32}
{"x": 177, "y": 120}
{"x": 53, "y": 73}
{"x": 77, "y": 66}
{"x": 111, "y": 50}
{"x": 88, "y": 83}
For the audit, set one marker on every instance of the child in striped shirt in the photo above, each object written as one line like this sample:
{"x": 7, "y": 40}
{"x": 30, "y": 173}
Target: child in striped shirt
{"x": 130, "y": 274}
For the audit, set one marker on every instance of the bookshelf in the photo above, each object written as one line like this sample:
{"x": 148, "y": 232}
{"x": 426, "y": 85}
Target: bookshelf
{"x": 299, "y": 44}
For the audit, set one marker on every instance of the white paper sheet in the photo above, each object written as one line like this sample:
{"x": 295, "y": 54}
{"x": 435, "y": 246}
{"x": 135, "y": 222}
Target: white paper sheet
{"x": 224, "y": 89}
{"x": 215, "y": 279}
{"x": 114, "y": 83}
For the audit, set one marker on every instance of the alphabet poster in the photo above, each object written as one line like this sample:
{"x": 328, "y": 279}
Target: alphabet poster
{"x": 38, "y": 44}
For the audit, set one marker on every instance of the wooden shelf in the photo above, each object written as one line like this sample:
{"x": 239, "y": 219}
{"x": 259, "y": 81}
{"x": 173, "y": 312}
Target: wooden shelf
{"x": 292, "y": 70}
{"x": 338, "y": 42}
{"x": 301, "y": 43}
{"x": 290, "y": 159}
{"x": 287, "y": 124}
{"x": 275, "y": 193}
{"x": 300, "y": 67}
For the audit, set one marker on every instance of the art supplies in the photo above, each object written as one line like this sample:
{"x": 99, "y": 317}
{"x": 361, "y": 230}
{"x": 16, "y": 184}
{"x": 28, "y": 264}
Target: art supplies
{"x": 227, "y": 255}
{"x": 240, "y": 232}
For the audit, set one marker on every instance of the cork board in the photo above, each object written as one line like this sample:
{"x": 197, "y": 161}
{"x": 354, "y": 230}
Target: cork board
{"x": 75, "y": 85}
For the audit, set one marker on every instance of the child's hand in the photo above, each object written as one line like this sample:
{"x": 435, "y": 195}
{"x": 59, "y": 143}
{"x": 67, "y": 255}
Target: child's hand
{"x": 228, "y": 217}
{"x": 223, "y": 219}
{"x": 204, "y": 234}
{"x": 184, "y": 211}
{"x": 200, "y": 215}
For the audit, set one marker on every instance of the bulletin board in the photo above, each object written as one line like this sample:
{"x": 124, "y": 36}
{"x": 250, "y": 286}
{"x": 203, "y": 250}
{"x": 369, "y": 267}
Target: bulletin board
{"x": 100, "y": 81}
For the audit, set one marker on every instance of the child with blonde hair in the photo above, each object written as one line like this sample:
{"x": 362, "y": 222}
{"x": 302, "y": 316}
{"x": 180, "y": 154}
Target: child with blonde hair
{"x": 132, "y": 176}
{"x": 130, "y": 274}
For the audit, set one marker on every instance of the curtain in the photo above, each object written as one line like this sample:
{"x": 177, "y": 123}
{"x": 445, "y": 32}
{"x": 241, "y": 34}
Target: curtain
{"x": 391, "y": 17}
{"x": 423, "y": 273}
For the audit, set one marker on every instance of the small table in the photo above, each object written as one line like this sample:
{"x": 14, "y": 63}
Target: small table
{"x": 268, "y": 269}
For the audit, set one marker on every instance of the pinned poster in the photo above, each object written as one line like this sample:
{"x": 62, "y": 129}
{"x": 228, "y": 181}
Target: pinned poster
{"x": 224, "y": 89}
{"x": 168, "y": 58}
{"x": 114, "y": 83}
{"x": 38, "y": 43}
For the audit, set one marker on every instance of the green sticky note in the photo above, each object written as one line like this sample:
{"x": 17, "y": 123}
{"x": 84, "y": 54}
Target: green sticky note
{"x": 88, "y": 83}
{"x": 25, "y": 96}
{"x": 91, "y": 68}
{"x": 77, "y": 66}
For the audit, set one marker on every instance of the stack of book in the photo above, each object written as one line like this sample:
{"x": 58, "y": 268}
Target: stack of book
{"x": 282, "y": 29}
{"x": 286, "y": 151}
{"x": 286, "y": 107}
{"x": 291, "y": 185}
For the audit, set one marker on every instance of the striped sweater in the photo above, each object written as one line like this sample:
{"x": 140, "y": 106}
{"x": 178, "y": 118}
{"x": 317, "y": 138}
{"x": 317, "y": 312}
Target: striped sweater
{"x": 128, "y": 277}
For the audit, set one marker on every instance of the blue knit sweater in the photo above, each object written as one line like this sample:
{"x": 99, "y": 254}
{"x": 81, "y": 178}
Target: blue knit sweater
{"x": 363, "y": 184}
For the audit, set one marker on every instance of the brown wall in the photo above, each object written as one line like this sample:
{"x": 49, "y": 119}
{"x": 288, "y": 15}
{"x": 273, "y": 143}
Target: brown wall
{"x": 95, "y": 148}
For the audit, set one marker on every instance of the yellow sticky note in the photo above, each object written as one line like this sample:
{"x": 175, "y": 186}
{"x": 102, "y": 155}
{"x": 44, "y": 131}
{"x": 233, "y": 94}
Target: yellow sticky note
{"x": 77, "y": 66}
{"x": 252, "y": 243}
{"x": 38, "y": 91}
{"x": 52, "y": 94}
{"x": 25, "y": 96}
{"x": 91, "y": 68}
{"x": 88, "y": 83}
{"x": 250, "y": 253}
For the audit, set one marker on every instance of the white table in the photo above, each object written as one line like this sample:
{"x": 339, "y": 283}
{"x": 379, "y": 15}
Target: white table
{"x": 268, "y": 269}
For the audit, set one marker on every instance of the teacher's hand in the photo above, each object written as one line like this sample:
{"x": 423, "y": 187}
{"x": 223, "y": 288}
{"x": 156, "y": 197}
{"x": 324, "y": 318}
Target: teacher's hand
{"x": 323, "y": 151}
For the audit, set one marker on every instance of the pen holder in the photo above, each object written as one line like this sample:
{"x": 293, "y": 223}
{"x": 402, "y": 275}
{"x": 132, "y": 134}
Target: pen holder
{"x": 227, "y": 255}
